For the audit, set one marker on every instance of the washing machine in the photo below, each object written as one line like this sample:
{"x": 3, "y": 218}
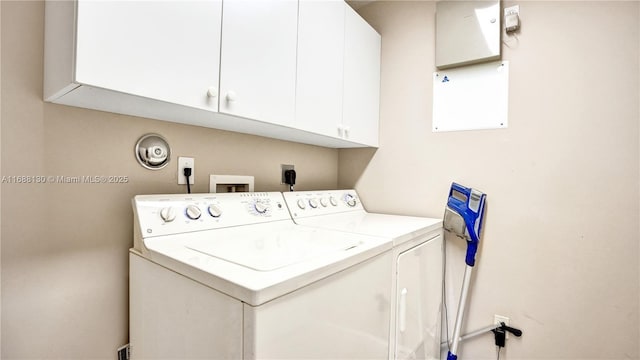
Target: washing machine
{"x": 416, "y": 268}
{"x": 232, "y": 276}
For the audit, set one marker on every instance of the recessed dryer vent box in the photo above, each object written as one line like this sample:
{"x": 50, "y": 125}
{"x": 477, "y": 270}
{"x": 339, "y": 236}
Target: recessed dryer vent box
{"x": 467, "y": 32}
{"x": 230, "y": 183}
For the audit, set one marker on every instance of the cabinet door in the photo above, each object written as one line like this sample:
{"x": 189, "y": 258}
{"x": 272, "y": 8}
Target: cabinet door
{"x": 361, "y": 80}
{"x": 258, "y": 63}
{"x": 164, "y": 50}
{"x": 320, "y": 66}
{"x": 419, "y": 296}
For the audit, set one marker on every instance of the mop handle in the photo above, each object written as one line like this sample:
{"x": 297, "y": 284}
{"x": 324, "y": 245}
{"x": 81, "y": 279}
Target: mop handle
{"x": 452, "y": 355}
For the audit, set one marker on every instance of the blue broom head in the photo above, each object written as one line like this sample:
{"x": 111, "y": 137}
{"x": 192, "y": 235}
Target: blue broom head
{"x": 463, "y": 216}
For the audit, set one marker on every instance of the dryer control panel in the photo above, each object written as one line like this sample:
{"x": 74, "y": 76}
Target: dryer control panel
{"x": 157, "y": 215}
{"x": 314, "y": 203}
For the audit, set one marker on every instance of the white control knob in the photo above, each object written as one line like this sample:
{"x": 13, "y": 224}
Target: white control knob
{"x": 168, "y": 214}
{"x": 260, "y": 207}
{"x": 324, "y": 202}
{"x": 333, "y": 201}
{"x": 231, "y": 96}
{"x": 212, "y": 92}
{"x": 350, "y": 200}
{"x": 193, "y": 212}
{"x": 301, "y": 204}
{"x": 214, "y": 211}
{"x": 313, "y": 203}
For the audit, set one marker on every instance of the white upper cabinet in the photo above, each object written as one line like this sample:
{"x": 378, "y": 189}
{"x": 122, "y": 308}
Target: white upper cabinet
{"x": 164, "y": 50}
{"x": 361, "y": 100}
{"x": 338, "y": 75}
{"x": 320, "y": 66}
{"x": 258, "y": 64}
{"x": 298, "y": 70}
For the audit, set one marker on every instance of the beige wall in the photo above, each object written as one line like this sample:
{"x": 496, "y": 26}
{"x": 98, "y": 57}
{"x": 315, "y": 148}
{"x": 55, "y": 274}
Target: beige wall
{"x": 64, "y": 247}
{"x": 560, "y": 248}
{"x": 559, "y": 254}
{"x": 0, "y": 186}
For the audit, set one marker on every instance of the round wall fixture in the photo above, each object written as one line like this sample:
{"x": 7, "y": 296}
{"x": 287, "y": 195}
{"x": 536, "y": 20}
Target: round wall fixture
{"x": 153, "y": 152}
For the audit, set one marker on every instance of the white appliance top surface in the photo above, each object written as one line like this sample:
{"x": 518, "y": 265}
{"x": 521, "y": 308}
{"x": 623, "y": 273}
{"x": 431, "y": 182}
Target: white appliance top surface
{"x": 258, "y": 263}
{"x": 348, "y": 215}
{"x": 270, "y": 249}
{"x": 261, "y": 257}
{"x": 396, "y": 227}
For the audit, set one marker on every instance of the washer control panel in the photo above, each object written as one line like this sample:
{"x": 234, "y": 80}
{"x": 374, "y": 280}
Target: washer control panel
{"x": 174, "y": 214}
{"x": 314, "y": 203}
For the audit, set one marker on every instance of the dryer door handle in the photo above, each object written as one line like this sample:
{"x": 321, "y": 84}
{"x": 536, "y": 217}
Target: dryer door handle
{"x": 402, "y": 310}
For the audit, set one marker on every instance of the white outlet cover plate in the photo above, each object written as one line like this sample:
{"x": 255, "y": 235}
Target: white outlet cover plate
{"x": 497, "y": 319}
{"x": 184, "y": 162}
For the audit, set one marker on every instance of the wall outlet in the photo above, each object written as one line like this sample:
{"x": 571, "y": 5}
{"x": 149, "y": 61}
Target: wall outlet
{"x": 284, "y": 168}
{"x": 186, "y": 162}
{"x": 497, "y": 319}
{"x": 512, "y": 10}
{"x": 512, "y": 18}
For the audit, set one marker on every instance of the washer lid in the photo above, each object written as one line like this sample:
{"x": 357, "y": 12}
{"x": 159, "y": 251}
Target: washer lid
{"x": 270, "y": 251}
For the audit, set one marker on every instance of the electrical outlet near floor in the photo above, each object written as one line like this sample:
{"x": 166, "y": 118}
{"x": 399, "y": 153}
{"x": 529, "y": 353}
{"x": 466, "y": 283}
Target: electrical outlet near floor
{"x": 498, "y": 319}
{"x": 124, "y": 352}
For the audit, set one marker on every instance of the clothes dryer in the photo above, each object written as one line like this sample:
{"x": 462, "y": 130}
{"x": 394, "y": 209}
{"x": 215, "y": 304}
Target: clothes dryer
{"x": 417, "y": 267}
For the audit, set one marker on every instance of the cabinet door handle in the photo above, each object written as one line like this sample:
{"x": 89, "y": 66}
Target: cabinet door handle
{"x": 402, "y": 310}
{"x": 340, "y": 130}
{"x": 212, "y": 92}
{"x": 346, "y": 132}
{"x": 231, "y": 96}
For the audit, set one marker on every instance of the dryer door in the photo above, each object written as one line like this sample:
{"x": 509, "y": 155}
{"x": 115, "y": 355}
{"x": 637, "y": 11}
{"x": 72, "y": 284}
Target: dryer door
{"x": 419, "y": 296}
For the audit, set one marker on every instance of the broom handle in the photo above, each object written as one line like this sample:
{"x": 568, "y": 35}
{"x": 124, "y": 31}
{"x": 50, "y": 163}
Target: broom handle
{"x": 461, "y": 307}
